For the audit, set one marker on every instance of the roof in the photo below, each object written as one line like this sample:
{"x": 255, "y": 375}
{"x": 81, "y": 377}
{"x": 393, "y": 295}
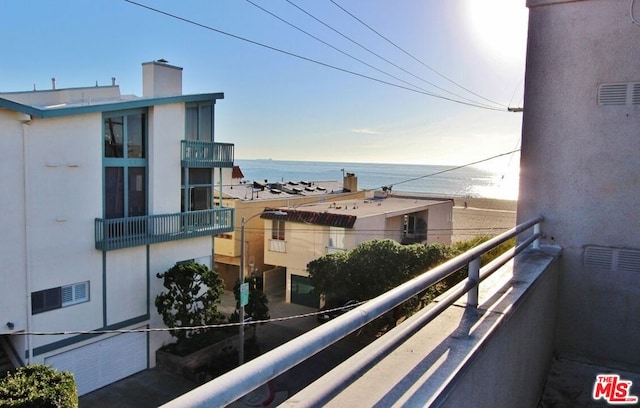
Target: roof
{"x": 10, "y": 101}
{"x": 344, "y": 213}
{"x": 236, "y": 173}
{"x": 279, "y": 190}
{"x": 308, "y": 217}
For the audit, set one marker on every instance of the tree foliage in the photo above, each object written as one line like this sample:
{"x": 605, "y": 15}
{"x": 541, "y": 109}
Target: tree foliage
{"x": 193, "y": 292}
{"x": 371, "y": 268}
{"x": 256, "y": 308}
{"x": 39, "y": 386}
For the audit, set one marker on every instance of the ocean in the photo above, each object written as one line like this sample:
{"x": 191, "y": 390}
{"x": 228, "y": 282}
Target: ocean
{"x": 447, "y": 180}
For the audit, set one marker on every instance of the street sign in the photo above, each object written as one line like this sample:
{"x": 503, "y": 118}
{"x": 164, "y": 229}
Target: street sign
{"x": 244, "y": 294}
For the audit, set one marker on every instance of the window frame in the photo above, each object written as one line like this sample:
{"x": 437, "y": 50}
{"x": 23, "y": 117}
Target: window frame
{"x": 128, "y": 179}
{"x": 278, "y": 230}
{"x": 188, "y": 189}
{"x": 53, "y": 298}
{"x": 203, "y": 120}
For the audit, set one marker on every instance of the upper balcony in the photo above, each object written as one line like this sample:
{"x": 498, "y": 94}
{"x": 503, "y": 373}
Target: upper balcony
{"x": 117, "y": 233}
{"x": 206, "y": 154}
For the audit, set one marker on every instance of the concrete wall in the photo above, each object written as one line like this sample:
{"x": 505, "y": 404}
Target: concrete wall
{"x": 510, "y": 369}
{"x": 579, "y": 166}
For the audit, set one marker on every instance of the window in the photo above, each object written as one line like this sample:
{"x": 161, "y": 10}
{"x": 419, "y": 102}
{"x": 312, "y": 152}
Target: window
{"x": 336, "y": 237}
{"x": 76, "y": 293}
{"x": 197, "y": 189}
{"x": 199, "y": 122}
{"x": 125, "y": 164}
{"x": 277, "y": 230}
{"x": 409, "y": 224}
{"x": 56, "y": 298}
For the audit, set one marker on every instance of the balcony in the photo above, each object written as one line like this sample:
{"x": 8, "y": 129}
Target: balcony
{"x": 206, "y": 154}
{"x": 496, "y": 348}
{"x": 117, "y": 233}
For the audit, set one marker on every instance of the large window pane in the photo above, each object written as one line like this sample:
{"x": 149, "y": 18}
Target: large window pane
{"x": 135, "y": 136}
{"x": 137, "y": 192}
{"x": 206, "y": 125}
{"x": 191, "y": 127}
{"x": 114, "y": 137}
{"x": 200, "y": 176}
{"x": 114, "y": 192}
{"x": 200, "y": 198}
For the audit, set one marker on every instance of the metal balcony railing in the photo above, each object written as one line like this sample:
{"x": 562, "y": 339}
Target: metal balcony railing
{"x": 117, "y": 233}
{"x": 233, "y": 385}
{"x": 206, "y": 154}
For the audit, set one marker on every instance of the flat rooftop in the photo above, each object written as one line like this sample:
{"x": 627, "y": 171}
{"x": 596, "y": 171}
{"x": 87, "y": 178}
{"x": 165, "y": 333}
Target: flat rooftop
{"x": 278, "y": 190}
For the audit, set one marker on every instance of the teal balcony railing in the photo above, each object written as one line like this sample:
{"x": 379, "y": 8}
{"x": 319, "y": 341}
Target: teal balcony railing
{"x": 116, "y": 233}
{"x": 206, "y": 154}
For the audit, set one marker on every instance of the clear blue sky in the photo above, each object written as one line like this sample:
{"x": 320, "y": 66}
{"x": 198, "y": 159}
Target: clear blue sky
{"x": 280, "y": 107}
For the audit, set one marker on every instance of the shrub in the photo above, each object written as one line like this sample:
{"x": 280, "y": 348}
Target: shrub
{"x": 38, "y": 386}
{"x": 193, "y": 293}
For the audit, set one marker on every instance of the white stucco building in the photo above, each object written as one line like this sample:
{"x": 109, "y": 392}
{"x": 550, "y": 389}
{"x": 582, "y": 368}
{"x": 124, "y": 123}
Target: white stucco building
{"x": 100, "y": 192}
{"x": 301, "y": 234}
{"x": 580, "y": 168}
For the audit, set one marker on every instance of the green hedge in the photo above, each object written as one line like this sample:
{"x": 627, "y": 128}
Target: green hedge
{"x": 38, "y": 386}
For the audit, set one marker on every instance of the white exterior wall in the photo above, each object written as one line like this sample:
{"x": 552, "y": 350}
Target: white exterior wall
{"x": 13, "y": 294}
{"x": 440, "y": 223}
{"x": 166, "y": 130}
{"x": 579, "y": 167}
{"x": 64, "y": 160}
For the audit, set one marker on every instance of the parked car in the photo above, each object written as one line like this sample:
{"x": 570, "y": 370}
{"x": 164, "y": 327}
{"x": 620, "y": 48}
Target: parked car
{"x": 331, "y": 310}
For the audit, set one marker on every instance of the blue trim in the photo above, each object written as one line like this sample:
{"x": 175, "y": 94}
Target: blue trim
{"x": 148, "y": 280}
{"x": 104, "y": 288}
{"x": 83, "y": 337}
{"x": 107, "y": 107}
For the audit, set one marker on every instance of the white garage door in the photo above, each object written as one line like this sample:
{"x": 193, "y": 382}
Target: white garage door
{"x": 104, "y": 362}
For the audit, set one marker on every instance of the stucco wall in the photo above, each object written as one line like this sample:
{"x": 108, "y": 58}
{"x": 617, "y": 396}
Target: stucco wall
{"x": 579, "y": 165}
{"x": 13, "y": 297}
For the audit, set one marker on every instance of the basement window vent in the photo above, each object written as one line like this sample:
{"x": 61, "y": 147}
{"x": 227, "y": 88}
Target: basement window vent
{"x": 619, "y": 94}
{"x": 612, "y": 259}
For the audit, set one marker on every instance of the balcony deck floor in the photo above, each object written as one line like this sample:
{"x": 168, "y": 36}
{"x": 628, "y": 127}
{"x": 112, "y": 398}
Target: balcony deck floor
{"x": 570, "y": 384}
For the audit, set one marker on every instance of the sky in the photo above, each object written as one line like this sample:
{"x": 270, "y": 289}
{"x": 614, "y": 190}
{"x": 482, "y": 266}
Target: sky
{"x": 294, "y": 97}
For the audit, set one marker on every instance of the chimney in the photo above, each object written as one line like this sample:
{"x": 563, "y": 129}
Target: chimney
{"x": 350, "y": 183}
{"x": 161, "y": 79}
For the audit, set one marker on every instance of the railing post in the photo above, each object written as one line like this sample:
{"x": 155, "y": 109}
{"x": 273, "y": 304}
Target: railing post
{"x": 474, "y": 276}
{"x": 536, "y": 231}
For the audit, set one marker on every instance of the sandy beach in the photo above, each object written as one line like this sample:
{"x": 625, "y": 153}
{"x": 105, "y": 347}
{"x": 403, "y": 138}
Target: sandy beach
{"x": 474, "y": 217}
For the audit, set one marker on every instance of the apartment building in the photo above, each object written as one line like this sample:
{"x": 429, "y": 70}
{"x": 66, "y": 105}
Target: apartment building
{"x": 294, "y": 236}
{"x": 100, "y": 192}
{"x": 249, "y": 199}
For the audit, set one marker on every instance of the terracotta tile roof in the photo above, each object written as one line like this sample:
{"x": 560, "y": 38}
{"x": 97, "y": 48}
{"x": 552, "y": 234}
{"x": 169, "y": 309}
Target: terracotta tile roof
{"x": 236, "y": 173}
{"x": 317, "y": 218}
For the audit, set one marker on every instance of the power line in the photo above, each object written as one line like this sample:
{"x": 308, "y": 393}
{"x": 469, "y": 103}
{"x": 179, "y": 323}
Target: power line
{"x": 333, "y": 47}
{"x": 291, "y": 54}
{"x": 184, "y": 328}
{"x": 454, "y": 168}
{"x": 415, "y": 58}
{"x": 381, "y": 57}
